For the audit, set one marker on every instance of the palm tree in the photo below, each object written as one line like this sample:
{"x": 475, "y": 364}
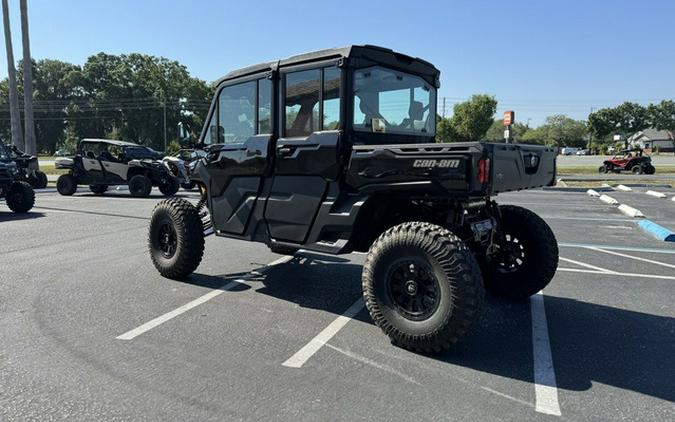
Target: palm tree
{"x": 15, "y": 117}
{"x": 31, "y": 147}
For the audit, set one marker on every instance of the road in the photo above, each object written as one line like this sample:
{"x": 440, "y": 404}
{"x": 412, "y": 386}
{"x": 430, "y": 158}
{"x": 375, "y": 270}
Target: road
{"x": 596, "y": 160}
{"x": 90, "y": 331}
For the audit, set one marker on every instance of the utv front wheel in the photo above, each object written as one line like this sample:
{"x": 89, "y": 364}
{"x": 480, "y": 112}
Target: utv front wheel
{"x": 20, "y": 197}
{"x": 169, "y": 186}
{"x": 422, "y": 286}
{"x": 40, "y": 180}
{"x": 140, "y": 186}
{"x": 66, "y": 184}
{"x": 637, "y": 169}
{"x": 528, "y": 258}
{"x": 176, "y": 238}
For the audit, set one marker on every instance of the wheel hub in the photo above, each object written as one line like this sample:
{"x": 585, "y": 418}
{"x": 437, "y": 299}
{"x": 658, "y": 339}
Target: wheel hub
{"x": 167, "y": 239}
{"x": 413, "y": 288}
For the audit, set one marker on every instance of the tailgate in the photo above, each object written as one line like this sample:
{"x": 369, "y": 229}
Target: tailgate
{"x": 520, "y": 166}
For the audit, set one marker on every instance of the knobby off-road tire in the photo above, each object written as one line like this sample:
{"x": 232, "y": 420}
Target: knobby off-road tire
{"x": 169, "y": 187}
{"x": 140, "y": 186}
{"x": 440, "y": 277}
{"x": 283, "y": 249}
{"x": 637, "y": 169}
{"x": 650, "y": 169}
{"x": 98, "y": 189}
{"x": 66, "y": 184}
{"x": 188, "y": 186}
{"x": 20, "y": 197}
{"x": 602, "y": 169}
{"x": 533, "y": 260}
{"x": 176, "y": 238}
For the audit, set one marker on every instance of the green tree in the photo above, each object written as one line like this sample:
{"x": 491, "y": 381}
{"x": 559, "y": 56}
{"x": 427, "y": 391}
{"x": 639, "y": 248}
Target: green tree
{"x": 559, "y": 130}
{"x": 470, "y": 120}
{"x": 662, "y": 116}
{"x": 624, "y": 120}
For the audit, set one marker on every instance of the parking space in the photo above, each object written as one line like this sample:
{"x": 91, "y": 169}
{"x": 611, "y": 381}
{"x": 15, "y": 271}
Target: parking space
{"x": 90, "y": 330}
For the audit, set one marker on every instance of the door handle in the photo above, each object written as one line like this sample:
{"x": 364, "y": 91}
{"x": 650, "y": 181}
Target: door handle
{"x": 284, "y": 151}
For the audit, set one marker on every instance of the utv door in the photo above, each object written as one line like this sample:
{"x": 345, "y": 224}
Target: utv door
{"x": 115, "y": 166}
{"x": 306, "y": 155}
{"x": 90, "y": 162}
{"x": 240, "y": 128}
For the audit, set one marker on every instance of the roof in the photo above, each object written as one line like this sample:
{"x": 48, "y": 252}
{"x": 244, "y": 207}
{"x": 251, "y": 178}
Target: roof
{"x": 111, "y": 142}
{"x": 375, "y": 53}
{"x": 651, "y": 134}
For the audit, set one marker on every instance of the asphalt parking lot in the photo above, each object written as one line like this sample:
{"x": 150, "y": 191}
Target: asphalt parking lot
{"x": 90, "y": 331}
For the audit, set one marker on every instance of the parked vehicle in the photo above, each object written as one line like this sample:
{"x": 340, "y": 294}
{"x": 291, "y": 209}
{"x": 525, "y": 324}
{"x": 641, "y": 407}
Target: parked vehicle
{"x": 182, "y": 165}
{"x": 18, "y": 194}
{"x": 584, "y": 152}
{"x": 569, "y": 150}
{"x": 28, "y": 169}
{"x": 101, "y": 163}
{"x": 363, "y": 173}
{"x": 633, "y": 161}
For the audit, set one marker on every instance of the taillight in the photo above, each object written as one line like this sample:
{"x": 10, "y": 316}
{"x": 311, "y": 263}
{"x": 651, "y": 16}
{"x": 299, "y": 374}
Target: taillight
{"x": 484, "y": 170}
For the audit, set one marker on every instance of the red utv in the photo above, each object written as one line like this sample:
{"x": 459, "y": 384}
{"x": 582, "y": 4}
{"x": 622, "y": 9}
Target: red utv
{"x": 632, "y": 161}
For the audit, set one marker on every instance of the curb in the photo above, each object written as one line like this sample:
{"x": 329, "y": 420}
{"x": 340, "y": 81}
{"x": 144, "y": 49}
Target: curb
{"x": 593, "y": 193}
{"x": 623, "y": 188}
{"x": 656, "y": 194}
{"x": 657, "y": 231}
{"x": 630, "y": 211}
{"x": 608, "y": 200}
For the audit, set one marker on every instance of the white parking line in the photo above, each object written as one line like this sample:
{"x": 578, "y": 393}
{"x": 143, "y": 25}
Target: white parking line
{"x": 583, "y": 264}
{"x": 545, "y": 388}
{"x": 578, "y": 270}
{"x": 129, "y": 335}
{"x": 303, "y": 355}
{"x": 637, "y": 258}
{"x": 200, "y": 300}
{"x": 618, "y": 248}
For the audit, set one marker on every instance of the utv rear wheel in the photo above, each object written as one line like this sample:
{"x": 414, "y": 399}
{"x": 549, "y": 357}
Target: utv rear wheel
{"x": 637, "y": 169}
{"x": 529, "y": 256}
{"x": 422, "y": 286}
{"x": 650, "y": 169}
{"x": 20, "y": 197}
{"x": 98, "y": 189}
{"x": 66, "y": 184}
{"x": 602, "y": 169}
{"x": 140, "y": 186}
{"x": 176, "y": 238}
{"x": 169, "y": 186}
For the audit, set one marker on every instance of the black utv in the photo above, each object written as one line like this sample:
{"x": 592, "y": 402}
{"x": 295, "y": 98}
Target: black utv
{"x": 28, "y": 169}
{"x": 18, "y": 195}
{"x": 101, "y": 163}
{"x": 335, "y": 151}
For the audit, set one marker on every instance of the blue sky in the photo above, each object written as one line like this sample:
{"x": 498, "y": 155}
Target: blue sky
{"x": 537, "y": 57}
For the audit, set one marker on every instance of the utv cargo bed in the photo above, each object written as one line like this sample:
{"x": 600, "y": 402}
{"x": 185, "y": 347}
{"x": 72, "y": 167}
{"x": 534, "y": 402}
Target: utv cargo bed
{"x": 467, "y": 169}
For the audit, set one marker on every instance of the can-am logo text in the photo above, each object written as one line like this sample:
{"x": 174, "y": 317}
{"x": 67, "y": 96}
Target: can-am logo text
{"x": 436, "y": 163}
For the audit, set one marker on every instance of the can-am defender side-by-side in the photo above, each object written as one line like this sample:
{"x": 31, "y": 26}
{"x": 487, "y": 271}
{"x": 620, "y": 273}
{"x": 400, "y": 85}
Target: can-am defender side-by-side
{"x": 28, "y": 169}
{"x": 334, "y": 151}
{"x": 18, "y": 195}
{"x": 101, "y": 163}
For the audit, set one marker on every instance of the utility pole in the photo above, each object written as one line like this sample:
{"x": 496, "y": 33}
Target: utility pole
{"x": 444, "y": 107}
{"x": 164, "y": 105}
{"x": 29, "y": 123}
{"x": 14, "y": 113}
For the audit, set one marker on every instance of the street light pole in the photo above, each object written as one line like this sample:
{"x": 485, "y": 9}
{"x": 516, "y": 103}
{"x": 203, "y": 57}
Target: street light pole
{"x": 164, "y": 105}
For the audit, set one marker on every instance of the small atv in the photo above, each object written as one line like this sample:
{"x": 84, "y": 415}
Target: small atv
{"x": 632, "y": 161}
{"x": 18, "y": 194}
{"x": 28, "y": 170}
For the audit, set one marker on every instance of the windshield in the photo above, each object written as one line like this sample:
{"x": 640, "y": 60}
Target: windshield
{"x": 140, "y": 152}
{"x": 4, "y": 154}
{"x": 388, "y": 101}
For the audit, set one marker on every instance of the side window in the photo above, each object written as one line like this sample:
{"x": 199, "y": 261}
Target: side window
{"x": 302, "y": 91}
{"x": 236, "y": 113}
{"x": 211, "y": 135}
{"x": 331, "y": 98}
{"x": 264, "y": 106}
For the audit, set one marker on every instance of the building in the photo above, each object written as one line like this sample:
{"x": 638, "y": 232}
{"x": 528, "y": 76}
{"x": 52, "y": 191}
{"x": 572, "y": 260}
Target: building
{"x": 652, "y": 140}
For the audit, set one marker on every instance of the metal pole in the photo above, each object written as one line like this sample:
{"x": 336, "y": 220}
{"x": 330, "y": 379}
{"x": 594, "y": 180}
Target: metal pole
{"x": 164, "y": 104}
{"x": 444, "y": 107}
